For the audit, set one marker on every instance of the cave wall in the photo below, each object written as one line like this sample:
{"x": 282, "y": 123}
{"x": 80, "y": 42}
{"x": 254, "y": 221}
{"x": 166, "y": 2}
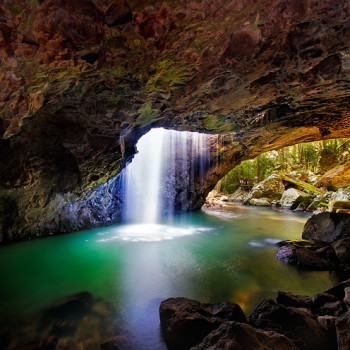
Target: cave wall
{"x": 82, "y": 81}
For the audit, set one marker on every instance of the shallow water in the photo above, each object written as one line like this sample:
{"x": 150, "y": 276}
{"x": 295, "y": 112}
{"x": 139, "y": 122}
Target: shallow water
{"x": 216, "y": 255}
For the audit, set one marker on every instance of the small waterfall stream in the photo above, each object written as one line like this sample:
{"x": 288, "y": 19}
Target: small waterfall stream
{"x": 161, "y": 175}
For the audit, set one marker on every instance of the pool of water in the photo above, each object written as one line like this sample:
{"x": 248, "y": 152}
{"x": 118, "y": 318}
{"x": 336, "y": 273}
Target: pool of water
{"x": 213, "y": 255}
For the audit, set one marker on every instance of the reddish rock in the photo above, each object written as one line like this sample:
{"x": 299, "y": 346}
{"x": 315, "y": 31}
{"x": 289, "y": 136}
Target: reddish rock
{"x": 62, "y": 27}
{"x": 118, "y": 13}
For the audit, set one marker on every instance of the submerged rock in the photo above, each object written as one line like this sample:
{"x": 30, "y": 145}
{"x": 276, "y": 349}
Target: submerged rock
{"x": 186, "y": 322}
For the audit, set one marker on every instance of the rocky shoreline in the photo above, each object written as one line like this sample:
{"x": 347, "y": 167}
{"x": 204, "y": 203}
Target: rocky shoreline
{"x": 289, "y": 322}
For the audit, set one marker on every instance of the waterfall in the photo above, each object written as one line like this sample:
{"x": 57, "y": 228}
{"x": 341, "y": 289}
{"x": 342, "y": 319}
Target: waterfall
{"x": 160, "y": 179}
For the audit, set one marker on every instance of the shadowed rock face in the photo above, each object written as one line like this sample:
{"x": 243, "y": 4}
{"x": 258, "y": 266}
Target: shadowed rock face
{"x": 82, "y": 81}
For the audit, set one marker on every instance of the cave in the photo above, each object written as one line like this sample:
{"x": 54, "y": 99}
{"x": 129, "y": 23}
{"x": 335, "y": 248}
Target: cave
{"x": 83, "y": 84}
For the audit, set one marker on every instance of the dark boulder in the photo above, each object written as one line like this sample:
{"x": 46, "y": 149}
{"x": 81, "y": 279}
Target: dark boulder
{"x": 320, "y": 299}
{"x": 342, "y": 326}
{"x": 294, "y": 323}
{"x": 240, "y": 336}
{"x": 327, "y": 227}
{"x": 311, "y": 260}
{"x": 328, "y": 324}
{"x": 336, "y": 309}
{"x": 342, "y": 249}
{"x": 347, "y": 297}
{"x": 339, "y": 289}
{"x": 186, "y": 322}
{"x": 290, "y": 299}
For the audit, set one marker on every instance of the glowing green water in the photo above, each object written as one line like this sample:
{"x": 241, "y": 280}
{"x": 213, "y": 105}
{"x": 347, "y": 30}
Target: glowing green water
{"x": 229, "y": 258}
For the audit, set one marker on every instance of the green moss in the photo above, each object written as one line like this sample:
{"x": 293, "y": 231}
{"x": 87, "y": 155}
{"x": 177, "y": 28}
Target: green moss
{"x": 147, "y": 114}
{"x": 16, "y": 9}
{"x": 167, "y": 75}
{"x": 217, "y": 123}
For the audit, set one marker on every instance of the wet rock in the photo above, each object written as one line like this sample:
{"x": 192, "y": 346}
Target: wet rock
{"x": 300, "y": 244}
{"x": 342, "y": 326}
{"x": 240, "y": 336}
{"x": 310, "y": 259}
{"x": 292, "y": 300}
{"x": 287, "y": 254}
{"x": 295, "y": 324}
{"x": 336, "y": 309}
{"x": 338, "y": 290}
{"x": 327, "y": 253}
{"x": 270, "y": 189}
{"x": 320, "y": 299}
{"x": 342, "y": 249}
{"x": 186, "y": 322}
{"x": 328, "y": 324}
{"x": 327, "y": 227}
{"x": 292, "y": 197}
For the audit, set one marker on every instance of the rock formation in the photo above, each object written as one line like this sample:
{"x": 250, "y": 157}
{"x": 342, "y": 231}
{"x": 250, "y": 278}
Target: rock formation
{"x": 292, "y": 322}
{"x": 82, "y": 81}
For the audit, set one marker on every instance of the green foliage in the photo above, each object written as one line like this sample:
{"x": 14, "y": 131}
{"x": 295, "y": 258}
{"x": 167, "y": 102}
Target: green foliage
{"x": 301, "y": 157}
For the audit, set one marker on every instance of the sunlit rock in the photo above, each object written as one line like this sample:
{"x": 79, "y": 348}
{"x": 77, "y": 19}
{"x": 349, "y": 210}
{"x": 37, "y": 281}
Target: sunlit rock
{"x": 292, "y": 197}
{"x": 268, "y": 190}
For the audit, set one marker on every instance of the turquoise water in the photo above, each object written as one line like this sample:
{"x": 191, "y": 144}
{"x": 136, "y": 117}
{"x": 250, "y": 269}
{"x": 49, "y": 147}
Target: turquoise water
{"x": 217, "y": 255}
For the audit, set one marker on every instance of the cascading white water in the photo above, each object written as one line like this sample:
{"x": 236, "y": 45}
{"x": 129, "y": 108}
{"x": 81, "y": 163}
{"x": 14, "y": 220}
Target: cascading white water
{"x": 166, "y": 161}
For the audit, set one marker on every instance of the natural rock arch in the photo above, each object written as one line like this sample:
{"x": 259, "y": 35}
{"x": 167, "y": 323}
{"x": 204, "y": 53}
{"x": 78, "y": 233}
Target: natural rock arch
{"x": 69, "y": 126}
